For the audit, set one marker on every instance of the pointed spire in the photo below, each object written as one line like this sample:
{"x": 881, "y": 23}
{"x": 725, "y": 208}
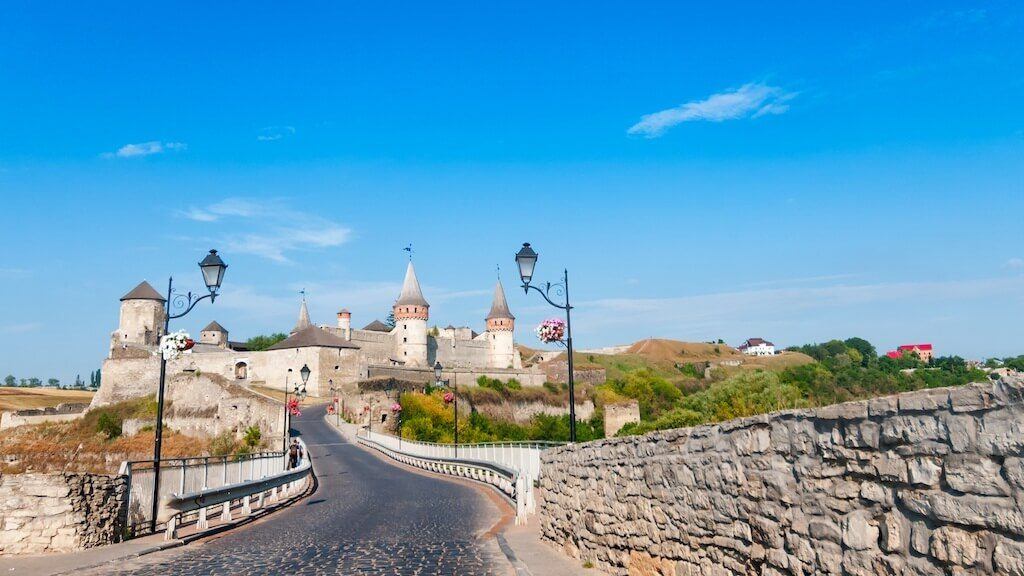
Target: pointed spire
{"x": 303, "y": 322}
{"x": 411, "y": 294}
{"x": 499, "y": 307}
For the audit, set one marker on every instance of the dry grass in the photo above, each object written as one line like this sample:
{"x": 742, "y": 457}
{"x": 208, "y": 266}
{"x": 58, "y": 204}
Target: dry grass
{"x": 79, "y": 445}
{"x": 24, "y": 398}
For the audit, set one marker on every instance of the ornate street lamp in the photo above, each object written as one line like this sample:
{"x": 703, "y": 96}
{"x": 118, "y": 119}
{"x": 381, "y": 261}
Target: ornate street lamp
{"x": 526, "y": 259}
{"x": 396, "y": 408}
{"x": 455, "y": 399}
{"x": 213, "y": 269}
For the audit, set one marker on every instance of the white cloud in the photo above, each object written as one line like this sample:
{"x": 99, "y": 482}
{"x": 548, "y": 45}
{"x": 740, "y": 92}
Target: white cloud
{"x": 272, "y": 133}
{"x": 20, "y": 328}
{"x": 748, "y": 101}
{"x": 145, "y": 149}
{"x": 1015, "y": 263}
{"x": 268, "y": 228}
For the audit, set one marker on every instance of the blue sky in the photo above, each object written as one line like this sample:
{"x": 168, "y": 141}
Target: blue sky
{"x": 798, "y": 172}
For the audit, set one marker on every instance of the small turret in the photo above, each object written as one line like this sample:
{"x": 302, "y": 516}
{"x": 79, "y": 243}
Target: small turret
{"x": 303, "y": 322}
{"x": 142, "y": 318}
{"x": 345, "y": 323}
{"x": 500, "y": 327}
{"x": 411, "y": 312}
{"x": 214, "y": 334}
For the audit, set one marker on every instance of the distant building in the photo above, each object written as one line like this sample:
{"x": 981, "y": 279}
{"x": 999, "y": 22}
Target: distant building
{"x": 757, "y": 347}
{"x": 923, "y": 351}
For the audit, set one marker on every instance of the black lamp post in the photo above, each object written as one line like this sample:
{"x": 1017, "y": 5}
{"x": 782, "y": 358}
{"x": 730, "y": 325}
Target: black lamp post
{"x": 213, "y": 269}
{"x": 300, "y": 393}
{"x": 334, "y": 402}
{"x": 455, "y": 399}
{"x": 398, "y": 413}
{"x": 526, "y": 259}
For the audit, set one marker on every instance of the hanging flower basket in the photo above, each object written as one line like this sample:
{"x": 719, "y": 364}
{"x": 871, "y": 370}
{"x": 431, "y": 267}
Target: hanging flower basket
{"x": 449, "y": 397}
{"x": 396, "y": 407}
{"x": 293, "y": 407}
{"x": 174, "y": 344}
{"x": 330, "y": 409}
{"x": 551, "y": 330}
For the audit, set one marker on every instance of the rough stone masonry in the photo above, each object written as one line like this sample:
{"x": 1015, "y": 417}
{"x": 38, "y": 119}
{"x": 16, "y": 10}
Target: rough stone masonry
{"x": 42, "y": 513}
{"x": 926, "y": 482}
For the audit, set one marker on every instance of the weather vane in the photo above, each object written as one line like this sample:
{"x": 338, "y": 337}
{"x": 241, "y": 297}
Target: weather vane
{"x": 409, "y": 250}
{"x": 303, "y": 292}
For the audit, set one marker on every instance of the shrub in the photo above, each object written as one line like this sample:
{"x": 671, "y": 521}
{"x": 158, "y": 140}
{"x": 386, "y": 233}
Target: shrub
{"x": 222, "y": 445}
{"x": 109, "y": 424}
{"x": 252, "y": 436}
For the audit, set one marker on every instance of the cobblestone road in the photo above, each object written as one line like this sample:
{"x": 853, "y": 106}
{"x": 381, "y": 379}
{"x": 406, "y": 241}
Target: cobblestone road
{"x": 366, "y": 518}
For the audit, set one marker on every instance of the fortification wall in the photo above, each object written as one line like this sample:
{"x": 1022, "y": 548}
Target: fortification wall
{"x": 465, "y": 353}
{"x": 459, "y": 376}
{"x": 43, "y": 513}
{"x": 927, "y": 482}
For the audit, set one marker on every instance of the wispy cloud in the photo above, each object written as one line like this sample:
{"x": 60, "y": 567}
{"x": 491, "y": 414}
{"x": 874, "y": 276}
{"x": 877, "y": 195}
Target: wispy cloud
{"x": 145, "y": 149}
{"x": 1015, "y": 263}
{"x": 804, "y": 280}
{"x": 272, "y": 133}
{"x": 20, "y": 328}
{"x": 748, "y": 101}
{"x": 269, "y": 228}
{"x": 14, "y": 273}
{"x": 762, "y": 306}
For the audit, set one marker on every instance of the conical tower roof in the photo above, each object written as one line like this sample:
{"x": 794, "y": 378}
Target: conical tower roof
{"x": 499, "y": 307}
{"x": 411, "y": 294}
{"x": 303, "y": 322}
{"x": 144, "y": 291}
{"x": 214, "y": 327}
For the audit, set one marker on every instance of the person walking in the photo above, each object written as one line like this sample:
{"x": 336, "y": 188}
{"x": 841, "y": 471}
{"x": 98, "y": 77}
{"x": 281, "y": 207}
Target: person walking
{"x": 293, "y": 454}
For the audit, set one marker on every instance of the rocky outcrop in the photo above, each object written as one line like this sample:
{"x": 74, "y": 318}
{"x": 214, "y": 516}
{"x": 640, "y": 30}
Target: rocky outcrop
{"x": 927, "y": 482}
{"x": 42, "y": 513}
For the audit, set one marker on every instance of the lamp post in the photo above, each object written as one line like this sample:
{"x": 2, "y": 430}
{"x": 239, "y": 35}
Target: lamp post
{"x": 300, "y": 394}
{"x": 213, "y": 269}
{"x": 526, "y": 259}
{"x": 455, "y": 399}
{"x": 334, "y": 402}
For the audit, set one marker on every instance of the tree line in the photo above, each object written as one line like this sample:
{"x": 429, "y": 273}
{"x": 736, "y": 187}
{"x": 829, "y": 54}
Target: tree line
{"x": 32, "y": 382}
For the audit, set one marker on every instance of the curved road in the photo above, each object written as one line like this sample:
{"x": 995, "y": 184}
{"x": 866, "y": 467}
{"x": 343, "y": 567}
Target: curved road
{"x": 367, "y": 517}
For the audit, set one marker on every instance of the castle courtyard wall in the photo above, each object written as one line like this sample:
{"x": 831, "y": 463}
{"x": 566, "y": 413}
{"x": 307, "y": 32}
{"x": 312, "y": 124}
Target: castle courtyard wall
{"x": 927, "y": 482}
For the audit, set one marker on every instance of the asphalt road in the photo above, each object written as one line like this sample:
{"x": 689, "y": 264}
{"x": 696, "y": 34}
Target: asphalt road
{"x": 367, "y": 517}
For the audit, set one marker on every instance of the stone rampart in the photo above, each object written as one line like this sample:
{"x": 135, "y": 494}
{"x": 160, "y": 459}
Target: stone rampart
{"x": 42, "y": 513}
{"x": 926, "y": 482}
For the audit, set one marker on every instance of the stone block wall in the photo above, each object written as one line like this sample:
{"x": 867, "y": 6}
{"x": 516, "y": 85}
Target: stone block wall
{"x": 926, "y": 482}
{"x": 42, "y": 513}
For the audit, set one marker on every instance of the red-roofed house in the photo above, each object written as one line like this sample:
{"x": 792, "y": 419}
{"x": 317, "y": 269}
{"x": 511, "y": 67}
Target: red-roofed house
{"x": 923, "y": 351}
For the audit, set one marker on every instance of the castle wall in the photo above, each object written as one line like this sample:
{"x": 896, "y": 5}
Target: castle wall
{"x": 458, "y": 376}
{"x": 926, "y": 482}
{"x": 140, "y": 322}
{"x": 465, "y": 353}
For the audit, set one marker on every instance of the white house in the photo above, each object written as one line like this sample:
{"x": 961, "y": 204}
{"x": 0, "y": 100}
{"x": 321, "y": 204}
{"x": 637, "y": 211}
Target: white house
{"x": 757, "y": 347}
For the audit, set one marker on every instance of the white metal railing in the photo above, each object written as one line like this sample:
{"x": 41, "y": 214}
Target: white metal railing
{"x": 510, "y": 466}
{"x": 180, "y": 504}
{"x": 183, "y": 475}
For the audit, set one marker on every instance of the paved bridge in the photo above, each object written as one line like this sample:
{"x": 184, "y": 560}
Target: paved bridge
{"x": 367, "y": 516}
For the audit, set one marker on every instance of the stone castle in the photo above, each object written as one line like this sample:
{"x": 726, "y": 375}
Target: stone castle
{"x": 339, "y": 356}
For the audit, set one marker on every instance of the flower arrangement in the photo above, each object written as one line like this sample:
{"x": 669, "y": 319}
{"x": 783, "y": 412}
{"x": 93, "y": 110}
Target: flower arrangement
{"x": 396, "y": 407}
{"x": 551, "y": 330}
{"x": 293, "y": 407}
{"x": 330, "y": 409}
{"x": 173, "y": 344}
{"x": 449, "y": 397}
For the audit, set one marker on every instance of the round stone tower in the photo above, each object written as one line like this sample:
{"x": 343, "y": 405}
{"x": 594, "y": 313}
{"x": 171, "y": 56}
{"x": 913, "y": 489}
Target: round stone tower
{"x": 345, "y": 323}
{"x": 501, "y": 325}
{"x": 142, "y": 318}
{"x": 411, "y": 312}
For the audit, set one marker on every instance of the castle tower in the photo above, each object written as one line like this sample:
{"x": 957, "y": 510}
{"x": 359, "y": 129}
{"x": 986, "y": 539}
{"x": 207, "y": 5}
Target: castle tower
{"x": 411, "y": 314}
{"x": 214, "y": 334}
{"x": 500, "y": 328}
{"x": 303, "y": 322}
{"x": 345, "y": 323}
{"x": 142, "y": 318}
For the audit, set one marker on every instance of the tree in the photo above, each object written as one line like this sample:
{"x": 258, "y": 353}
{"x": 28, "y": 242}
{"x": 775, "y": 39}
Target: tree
{"x": 53, "y": 383}
{"x": 868, "y": 352}
{"x": 10, "y": 380}
{"x": 79, "y": 383}
{"x": 262, "y": 342}
{"x": 94, "y": 379}
{"x": 390, "y": 320}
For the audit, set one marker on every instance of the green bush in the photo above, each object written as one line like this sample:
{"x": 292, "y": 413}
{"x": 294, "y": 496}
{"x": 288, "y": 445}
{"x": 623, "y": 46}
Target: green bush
{"x": 252, "y": 436}
{"x": 222, "y": 444}
{"x": 109, "y": 424}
